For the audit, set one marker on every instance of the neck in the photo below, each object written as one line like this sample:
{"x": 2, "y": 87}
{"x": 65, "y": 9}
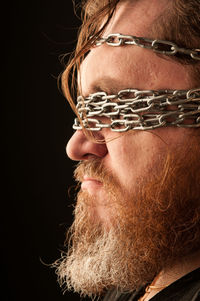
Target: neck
{"x": 170, "y": 274}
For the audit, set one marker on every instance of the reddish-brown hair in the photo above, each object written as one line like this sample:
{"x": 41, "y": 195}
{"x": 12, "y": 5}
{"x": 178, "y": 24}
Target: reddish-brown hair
{"x": 179, "y": 23}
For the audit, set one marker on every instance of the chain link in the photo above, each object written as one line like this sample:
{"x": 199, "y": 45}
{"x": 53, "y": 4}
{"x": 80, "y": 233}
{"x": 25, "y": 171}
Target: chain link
{"x": 158, "y": 46}
{"x": 138, "y": 110}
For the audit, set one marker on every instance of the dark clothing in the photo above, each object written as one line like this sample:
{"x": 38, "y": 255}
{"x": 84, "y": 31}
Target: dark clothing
{"x": 186, "y": 288}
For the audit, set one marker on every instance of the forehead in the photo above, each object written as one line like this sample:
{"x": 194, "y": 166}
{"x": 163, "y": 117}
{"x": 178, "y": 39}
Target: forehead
{"x": 111, "y": 68}
{"x": 136, "y": 17}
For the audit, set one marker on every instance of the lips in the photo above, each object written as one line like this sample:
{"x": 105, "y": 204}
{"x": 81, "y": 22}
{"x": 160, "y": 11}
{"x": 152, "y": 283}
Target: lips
{"x": 90, "y": 184}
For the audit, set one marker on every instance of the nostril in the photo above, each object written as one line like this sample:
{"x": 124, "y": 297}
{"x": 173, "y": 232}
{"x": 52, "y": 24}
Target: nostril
{"x": 88, "y": 156}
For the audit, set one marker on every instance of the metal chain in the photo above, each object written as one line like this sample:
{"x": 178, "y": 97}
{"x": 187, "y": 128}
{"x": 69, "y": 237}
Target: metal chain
{"x": 138, "y": 110}
{"x": 158, "y": 46}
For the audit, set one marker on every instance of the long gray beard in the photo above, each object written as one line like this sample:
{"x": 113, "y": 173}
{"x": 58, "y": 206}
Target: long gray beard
{"x": 99, "y": 259}
{"x": 90, "y": 273}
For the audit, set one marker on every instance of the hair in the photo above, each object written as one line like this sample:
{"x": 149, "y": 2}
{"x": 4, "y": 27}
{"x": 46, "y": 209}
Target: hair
{"x": 179, "y": 23}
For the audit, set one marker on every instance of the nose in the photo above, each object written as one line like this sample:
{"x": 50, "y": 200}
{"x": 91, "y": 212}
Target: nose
{"x": 81, "y": 147}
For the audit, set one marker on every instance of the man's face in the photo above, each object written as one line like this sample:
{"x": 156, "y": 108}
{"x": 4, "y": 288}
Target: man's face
{"x": 133, "y": 185}
{"x": 111, "y": 69}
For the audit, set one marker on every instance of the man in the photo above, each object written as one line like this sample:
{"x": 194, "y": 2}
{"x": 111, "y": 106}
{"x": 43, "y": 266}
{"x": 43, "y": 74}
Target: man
{"x": 136, "y": 234}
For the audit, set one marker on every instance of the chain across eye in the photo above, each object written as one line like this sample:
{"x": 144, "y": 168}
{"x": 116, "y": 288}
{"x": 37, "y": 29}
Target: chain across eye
{"x": 139, "y": 110}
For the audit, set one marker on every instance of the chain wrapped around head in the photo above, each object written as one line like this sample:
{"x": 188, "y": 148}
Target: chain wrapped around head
{"x": 158, "y": 46}
{"x": 138, "y": 110}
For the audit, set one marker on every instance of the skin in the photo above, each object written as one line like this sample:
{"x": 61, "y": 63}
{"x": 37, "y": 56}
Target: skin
{"x": 111, "y": 69}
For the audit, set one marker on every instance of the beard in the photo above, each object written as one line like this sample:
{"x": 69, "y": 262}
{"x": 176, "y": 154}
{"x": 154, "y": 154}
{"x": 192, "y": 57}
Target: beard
{"x": 147, "y": 230}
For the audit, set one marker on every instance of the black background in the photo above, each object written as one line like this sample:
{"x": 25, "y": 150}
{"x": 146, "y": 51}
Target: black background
{"x": 36, "y": 122}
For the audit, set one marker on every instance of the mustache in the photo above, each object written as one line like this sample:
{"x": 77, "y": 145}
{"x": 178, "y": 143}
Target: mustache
{"x": 91, "y": 168}
{"x": 95, "y": 168}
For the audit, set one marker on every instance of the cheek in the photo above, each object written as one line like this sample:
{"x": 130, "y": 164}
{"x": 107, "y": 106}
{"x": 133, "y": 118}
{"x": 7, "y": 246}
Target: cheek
{"x": 129, "y": 157}
{"x": 135, "y": 155}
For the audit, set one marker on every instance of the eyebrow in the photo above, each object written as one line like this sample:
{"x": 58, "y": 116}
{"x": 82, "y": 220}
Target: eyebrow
{"x": 107, "y": 84}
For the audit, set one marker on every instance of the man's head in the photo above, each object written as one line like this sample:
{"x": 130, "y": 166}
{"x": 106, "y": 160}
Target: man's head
{"x": 139, "y": 204}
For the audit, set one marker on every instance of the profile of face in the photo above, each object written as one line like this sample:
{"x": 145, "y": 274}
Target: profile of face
{"x": 139, "y": 189}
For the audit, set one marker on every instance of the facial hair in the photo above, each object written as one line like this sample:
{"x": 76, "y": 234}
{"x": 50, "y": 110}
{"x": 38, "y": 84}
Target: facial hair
{"x": 146, "y": 231}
